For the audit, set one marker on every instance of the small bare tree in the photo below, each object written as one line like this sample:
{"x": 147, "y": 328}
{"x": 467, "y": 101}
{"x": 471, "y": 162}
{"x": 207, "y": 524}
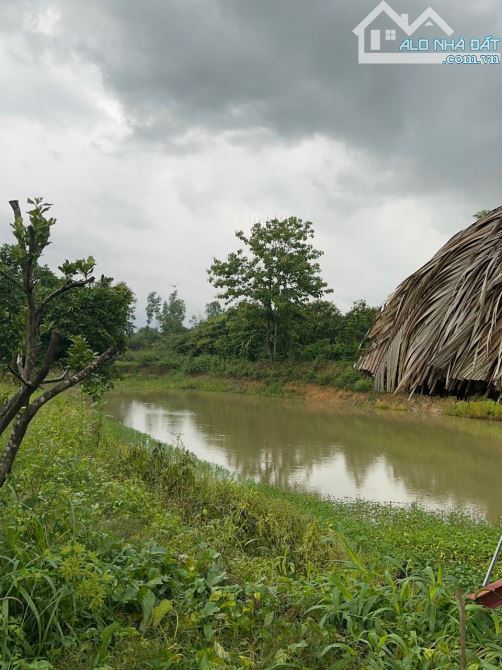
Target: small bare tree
{"x": 31, "y": 365}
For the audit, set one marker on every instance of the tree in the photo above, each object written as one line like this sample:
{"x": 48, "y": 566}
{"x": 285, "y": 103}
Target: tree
{"x": 481, "y": 214}
{"x": 213, "y": 309}
{"x": 11, "y": 301}
{"x": 172, "y": 314}
{"x": 355, "y": 326}
{"x": 36, "y": 347}
{"x": 278, "y": 271}
{"x": 153, "y": 305}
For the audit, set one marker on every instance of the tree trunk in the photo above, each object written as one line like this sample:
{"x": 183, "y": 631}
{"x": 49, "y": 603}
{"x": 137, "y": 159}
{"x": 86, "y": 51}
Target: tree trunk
{"x": 10, "y": 452}
{"x": 275, "y": 338}
{"x": 13, "y": 406}
{"x": 269, "y": 334}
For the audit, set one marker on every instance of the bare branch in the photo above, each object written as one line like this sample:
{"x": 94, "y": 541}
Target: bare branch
{"x": 55, "y": 380}
{"x": 62, "y": 289}
{"x": 9, "y": 409}
{"x": 20, "y": 426}
{"x": 48, "y": 358}
{"x": 18, "y": 375}
{"x": 15, "y": 208}
{"x": 20, "y": 399}
{"x": 74, "y": 379}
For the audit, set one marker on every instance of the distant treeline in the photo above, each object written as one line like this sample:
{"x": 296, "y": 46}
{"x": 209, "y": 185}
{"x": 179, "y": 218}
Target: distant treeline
{"x": 315, "y": 331}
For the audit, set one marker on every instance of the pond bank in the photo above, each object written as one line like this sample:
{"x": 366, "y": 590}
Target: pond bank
{"x": 313, "y": 393}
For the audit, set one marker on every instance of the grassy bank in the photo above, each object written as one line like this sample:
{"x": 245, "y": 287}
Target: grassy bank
{"x": 156, "y": 369}
{"x": 117, "y": 552}
{"x": 268, "y": 377}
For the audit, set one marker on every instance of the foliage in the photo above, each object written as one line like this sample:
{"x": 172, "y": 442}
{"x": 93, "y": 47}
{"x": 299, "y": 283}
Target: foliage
{"x": 318, "y": 332}
{"x": 279, "y": 272}
{"x": 274, "y": 311}
{"x": 12, "y": 308}
{"x": 134, "y": 555}
{"x": 213, "y": 308}
{"x": 172, "y": 314}
{"x": 153, "y": 306}
{"x": 169, "y": 314}
{"x": 216, "y": 373}
{"x": 102, "y": 312}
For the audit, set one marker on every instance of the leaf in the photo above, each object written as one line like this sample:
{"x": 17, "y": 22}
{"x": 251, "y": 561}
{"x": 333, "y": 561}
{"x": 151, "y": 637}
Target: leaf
{"x": 147, "y": 599}
{"x": 219, "y": 650}
{"x": 209, "y": 609}
{"x": 208, "y": 631}
{"x": 106, "y": 638}
{"x": 160, "y": 611}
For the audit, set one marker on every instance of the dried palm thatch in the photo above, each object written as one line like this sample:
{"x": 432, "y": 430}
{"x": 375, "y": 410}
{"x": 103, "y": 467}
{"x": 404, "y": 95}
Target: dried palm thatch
{"x": 442, "y": 327}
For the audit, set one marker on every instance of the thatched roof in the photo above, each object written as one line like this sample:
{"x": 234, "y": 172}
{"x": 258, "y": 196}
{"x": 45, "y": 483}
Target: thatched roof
{"x": 443, "y": 325}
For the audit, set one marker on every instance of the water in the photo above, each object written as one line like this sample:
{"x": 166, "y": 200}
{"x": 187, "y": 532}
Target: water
{"x": 336, "y": 450}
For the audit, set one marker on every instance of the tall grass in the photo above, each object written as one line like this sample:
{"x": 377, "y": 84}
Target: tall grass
{"x": 476, "y": 409}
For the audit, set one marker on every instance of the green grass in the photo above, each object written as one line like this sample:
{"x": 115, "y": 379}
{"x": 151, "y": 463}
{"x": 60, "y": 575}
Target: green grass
{"x": 182, "y": 381}
{"x": 476, "y": 409}
{"x": 215, "y": 373}
{"x": 118, "y": 552}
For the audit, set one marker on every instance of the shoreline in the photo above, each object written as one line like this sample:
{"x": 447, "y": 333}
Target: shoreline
{"x": 317, "y": 394}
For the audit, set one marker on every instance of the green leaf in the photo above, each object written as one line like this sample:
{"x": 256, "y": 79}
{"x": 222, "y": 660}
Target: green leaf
{"x": 160, "y": 611}
{"x": 147, "y": 599}
{"x": 209, "y": 609}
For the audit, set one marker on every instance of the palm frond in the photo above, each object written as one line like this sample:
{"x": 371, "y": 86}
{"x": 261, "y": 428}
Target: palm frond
{"x": 443, "y": 325}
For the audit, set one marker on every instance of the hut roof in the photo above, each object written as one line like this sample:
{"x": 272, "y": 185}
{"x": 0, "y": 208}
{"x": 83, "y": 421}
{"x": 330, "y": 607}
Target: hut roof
{"x": 443, "y": 325}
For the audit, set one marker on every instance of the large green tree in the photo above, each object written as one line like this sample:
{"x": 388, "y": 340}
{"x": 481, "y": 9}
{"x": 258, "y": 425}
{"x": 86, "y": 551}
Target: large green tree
{"x": 36, "y": 307}
{"x": 277, "y": 269}
{"x": 153, "y": 307}
{"x": 172, "y": 314}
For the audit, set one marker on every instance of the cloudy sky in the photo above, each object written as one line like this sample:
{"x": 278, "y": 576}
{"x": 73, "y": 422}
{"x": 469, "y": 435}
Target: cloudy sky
{"x": 159, "y": 127}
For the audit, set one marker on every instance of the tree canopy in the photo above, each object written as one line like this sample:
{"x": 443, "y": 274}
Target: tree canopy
{"x": 277, "y": 269}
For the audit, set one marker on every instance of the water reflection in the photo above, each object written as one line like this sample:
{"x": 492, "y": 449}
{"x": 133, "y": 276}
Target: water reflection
{"x": 337, "y": 451}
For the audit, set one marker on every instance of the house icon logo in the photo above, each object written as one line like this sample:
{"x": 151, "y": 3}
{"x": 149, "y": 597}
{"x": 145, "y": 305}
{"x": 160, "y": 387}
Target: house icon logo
{"x": 381, "y": 33}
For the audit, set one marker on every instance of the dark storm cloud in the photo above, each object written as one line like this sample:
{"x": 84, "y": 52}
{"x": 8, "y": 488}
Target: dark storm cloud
{"x": 159, "y": 127}
{"x": 289, "y": 67}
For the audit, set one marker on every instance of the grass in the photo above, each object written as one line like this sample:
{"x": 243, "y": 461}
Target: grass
{"x": 385, "y": 404}
{"x": 215, "y": 373}
{"x": 118, "y": 552}
{"x": 476, "y": 409}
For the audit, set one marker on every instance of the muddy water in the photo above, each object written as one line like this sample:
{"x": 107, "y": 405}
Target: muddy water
{"x": 336, "y": 450}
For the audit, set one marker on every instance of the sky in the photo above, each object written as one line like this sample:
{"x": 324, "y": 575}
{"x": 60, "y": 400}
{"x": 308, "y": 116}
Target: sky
{"x": 160, "y": 127}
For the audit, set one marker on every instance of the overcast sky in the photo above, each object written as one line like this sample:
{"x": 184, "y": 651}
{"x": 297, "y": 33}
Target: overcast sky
{"x": 159, "y": 127}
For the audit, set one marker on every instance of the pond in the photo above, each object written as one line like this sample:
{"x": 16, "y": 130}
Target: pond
{"x": 336, "y": 450}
